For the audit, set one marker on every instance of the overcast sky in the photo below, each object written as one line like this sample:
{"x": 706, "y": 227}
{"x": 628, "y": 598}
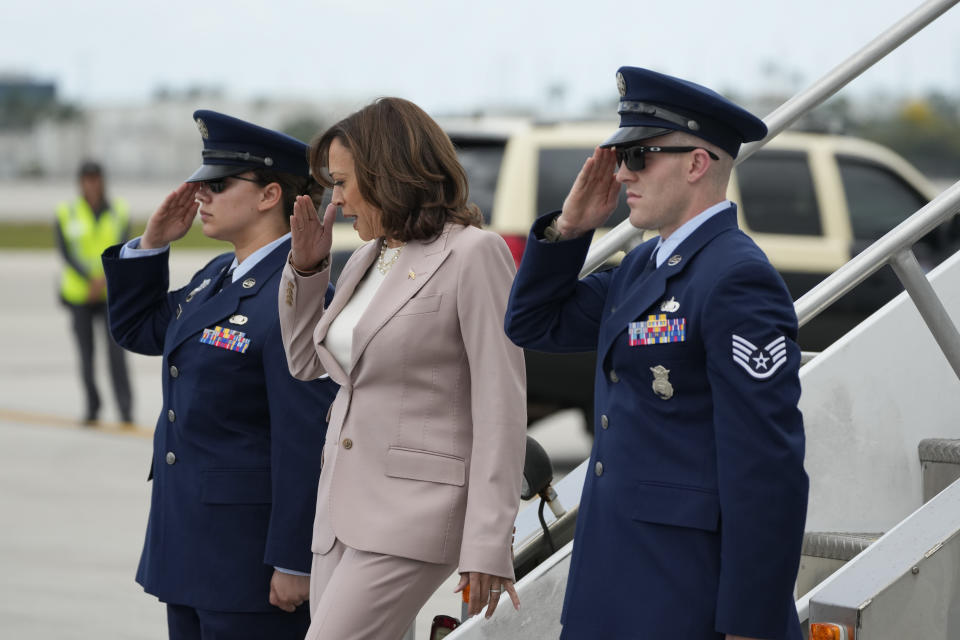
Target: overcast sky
{"x": 453, "y": 56}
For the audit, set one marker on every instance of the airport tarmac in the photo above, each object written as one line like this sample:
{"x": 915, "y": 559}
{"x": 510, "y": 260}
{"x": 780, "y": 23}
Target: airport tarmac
{"x": 73, "y": 500}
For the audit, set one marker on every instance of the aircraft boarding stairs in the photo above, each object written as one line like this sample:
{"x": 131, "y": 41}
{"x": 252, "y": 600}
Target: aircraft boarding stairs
{"x": 881, "y": 411}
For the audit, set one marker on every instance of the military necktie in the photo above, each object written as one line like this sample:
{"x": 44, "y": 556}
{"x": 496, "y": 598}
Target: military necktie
{"x": 225, "y": 279}
{"x": 651, "y": 265}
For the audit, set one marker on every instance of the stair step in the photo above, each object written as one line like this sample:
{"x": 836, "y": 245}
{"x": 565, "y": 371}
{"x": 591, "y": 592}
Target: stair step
{"x": 940, "y": 463}
{"x": 939, "y": 450}
{"x": 826, "y": 551}
{"x": 836, "y": 545}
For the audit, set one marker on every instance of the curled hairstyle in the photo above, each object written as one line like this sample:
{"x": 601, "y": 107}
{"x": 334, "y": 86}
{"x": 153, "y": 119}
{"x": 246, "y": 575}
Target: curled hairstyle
{"x": 405, "y": 166}
{"x": 291, "y": 186}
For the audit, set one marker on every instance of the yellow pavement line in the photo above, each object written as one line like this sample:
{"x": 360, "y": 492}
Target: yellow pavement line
{"x": 115, "y": 428}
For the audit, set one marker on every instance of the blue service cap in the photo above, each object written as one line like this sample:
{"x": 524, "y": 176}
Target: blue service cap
{"x": 232, "y": 146}
{"x": 653, "y": 104}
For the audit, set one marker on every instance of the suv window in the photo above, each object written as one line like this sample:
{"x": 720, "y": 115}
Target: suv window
{"x": 877, "y": 198}
{"x": 777, "y": 194}
{"x": 481, "y": 159}
{"x": 557, "y": 168}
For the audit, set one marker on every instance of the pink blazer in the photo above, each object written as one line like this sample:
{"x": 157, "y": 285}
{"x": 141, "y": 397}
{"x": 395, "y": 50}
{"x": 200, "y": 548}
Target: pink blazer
{"x": 425, "y": 444}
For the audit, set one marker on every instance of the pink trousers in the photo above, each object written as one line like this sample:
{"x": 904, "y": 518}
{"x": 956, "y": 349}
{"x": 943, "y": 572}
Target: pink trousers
{"x": 358, "y": 595}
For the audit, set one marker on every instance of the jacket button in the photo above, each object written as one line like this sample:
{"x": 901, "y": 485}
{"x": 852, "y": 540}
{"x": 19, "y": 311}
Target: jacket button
{"x": 171, "y": 416}
{"x": 614, "y": 377}
{"x": 598, "y": 468}
{"x": 174, "y": 372}
{"x": 347, "y": 443}
{"x": 171, "y": 457}
{"x": 604, "y": 422}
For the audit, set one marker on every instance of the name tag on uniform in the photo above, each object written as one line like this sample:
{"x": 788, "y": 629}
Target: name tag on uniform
{"x": 657, "y": 329}
{"x": 225, "y": 338}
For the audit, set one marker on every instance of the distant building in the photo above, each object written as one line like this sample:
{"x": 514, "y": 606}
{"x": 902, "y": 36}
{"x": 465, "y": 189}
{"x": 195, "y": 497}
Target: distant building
{"x": 23, "y": 100}
{"x": 155, "y": 140}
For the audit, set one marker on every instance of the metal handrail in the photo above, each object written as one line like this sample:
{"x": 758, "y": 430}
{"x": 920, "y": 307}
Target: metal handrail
{"x": 895, "y": 249}
{"x": 625, "y": 236}
{"x": 905, "y": 28}
{"x": 871, "y": 259}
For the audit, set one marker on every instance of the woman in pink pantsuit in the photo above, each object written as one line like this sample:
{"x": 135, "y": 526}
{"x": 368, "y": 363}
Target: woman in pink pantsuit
{"x": 425, "y": 444}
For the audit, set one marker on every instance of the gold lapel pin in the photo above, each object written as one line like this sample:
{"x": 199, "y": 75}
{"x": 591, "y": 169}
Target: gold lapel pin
{"x": 411, "y": 275}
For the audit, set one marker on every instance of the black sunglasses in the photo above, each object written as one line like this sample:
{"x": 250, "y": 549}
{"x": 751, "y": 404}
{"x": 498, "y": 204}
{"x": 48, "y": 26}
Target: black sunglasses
{"x": 218, "y": 185}
{"x": 634, "y": 156}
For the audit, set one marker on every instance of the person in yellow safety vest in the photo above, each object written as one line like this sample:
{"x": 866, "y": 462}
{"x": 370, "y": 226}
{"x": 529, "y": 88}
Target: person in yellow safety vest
{"x": 84, "y": 229}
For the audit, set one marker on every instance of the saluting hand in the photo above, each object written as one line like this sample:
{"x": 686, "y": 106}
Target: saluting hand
{"x": 593, "y": 196}
{"x": 173, "y": 219}
{"x": 310, "y": 237}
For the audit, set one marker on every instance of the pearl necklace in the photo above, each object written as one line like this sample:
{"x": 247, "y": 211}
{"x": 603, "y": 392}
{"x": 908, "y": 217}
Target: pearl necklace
{"x": 384, "y": 266}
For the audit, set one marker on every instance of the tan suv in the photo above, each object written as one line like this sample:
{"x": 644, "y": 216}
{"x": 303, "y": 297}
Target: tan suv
{"x": 811, "y": 201}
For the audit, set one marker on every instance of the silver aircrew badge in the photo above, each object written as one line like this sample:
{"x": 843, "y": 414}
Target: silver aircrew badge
{"x": 203, "y": 285}
{"x": 248, "y": 283}
{"x": 661, "y": 383}
{"x": 621, "y": 84}
{"x": 674, "y": 260}
{"x": 238, "y": 319}
{"x": 202, "y": 126}
{"x": 670, "y": 306}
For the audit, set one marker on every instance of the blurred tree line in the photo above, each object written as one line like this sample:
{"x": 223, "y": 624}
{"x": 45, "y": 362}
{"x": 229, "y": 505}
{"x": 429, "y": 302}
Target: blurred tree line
{"x": 923, "y": 129}
{"x": 926, "y": 131}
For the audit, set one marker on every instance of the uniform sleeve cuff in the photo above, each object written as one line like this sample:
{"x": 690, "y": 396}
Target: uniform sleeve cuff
{"x": 132, "y": 250}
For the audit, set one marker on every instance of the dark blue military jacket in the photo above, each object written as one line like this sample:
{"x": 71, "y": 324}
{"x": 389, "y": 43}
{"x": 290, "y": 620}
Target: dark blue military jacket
{"x": 236, "y": 451}
{"x": 692, "y": 515}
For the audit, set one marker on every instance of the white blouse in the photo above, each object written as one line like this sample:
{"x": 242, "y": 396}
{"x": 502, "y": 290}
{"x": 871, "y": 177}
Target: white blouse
{"x": 339, "y": 340}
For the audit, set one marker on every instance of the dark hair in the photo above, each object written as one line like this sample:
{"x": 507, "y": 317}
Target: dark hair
{"x": 291, "y": 186}
{"x": 406, "y": 167}
{"x": 90, "y": 168}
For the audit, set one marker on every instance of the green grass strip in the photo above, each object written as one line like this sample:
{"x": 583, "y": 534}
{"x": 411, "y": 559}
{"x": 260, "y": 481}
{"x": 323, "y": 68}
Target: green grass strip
{"x": 39, "y": 235}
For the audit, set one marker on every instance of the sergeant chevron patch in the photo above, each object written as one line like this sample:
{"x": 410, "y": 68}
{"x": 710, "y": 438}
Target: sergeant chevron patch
{"x": 761, "y": 363}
